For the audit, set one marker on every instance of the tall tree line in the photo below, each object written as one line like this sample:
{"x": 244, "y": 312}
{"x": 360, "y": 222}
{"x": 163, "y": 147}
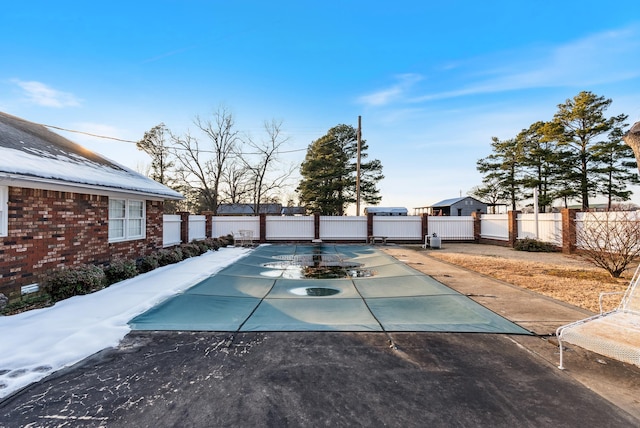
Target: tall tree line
{"x": 577, "y": 155}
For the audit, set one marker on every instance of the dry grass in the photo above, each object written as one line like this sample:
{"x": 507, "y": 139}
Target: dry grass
{"x": 577, "y": 285}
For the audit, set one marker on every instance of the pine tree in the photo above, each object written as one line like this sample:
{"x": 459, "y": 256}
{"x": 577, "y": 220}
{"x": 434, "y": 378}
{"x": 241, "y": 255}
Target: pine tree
{"x": 328, "y": 183}
{"x": 503, "y": 168}
{"x": 576, "y": 127}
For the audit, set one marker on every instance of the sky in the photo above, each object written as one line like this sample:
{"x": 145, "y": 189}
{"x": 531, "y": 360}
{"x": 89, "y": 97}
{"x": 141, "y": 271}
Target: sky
{"x": 48, "y": 339}
{"x": 433, "y": 81}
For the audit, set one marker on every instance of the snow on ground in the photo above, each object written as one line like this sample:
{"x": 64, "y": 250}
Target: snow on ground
{"x": 36, "y": 343}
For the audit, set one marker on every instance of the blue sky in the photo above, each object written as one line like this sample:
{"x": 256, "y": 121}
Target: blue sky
{"x": 433, "y": 81}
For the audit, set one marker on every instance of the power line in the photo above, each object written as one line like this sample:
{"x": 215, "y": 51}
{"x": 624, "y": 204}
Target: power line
{"x": 174, "y": 148}
{"x": 90, "y": 134}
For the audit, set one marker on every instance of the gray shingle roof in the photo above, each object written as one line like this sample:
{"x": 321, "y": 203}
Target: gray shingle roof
{"x": 31, "y": 152}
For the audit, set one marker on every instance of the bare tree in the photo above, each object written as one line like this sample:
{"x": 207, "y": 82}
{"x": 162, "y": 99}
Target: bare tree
{"x": 202, "y": 166}
{"x": 609, "y": 240}
{"x": 235, "y": 187}
{"x": 266, "y": 172}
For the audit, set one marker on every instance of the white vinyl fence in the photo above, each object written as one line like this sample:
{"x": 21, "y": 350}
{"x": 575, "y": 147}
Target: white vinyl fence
{"x": 546, "y": 227}
{"x": 343, "y": 228}
{"x": 289, "y": 228}
{"x": 494, "y": 226}
{"x": 197, "y": 227}
{"x": 451, "y": 228}
{"x": 398, "y": 228}
{"x": 171, "y": 230}
{"x": 232, "y": 225}
{"x": 617, "y": 230}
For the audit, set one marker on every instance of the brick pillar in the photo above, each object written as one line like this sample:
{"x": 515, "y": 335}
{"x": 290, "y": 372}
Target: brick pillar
{"x": 263, "y": 228}
{"x": 208, "y": 223}
{"x": 513, "y": 227}
{"x": 369, "y": 225}
{"x": 569, "y": 230}
{"x": 184, "y": 226}
{"x": 425, "y": 226}
{"x": 316, "y": 225}
{"x": 477, "y": 225}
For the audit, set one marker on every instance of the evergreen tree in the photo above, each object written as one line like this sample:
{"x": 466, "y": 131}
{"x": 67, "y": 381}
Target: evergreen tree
{"x": 156, "y": 144}
{"x": 328, "y": 183}
{"x": 576, "y": 127}
{"x": 540, "y": 161}
{"x": 617, "y": 168}
{"x": 503, "y": 168}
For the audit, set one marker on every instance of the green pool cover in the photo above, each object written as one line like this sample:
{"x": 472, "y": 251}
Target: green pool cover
{"x": 321, "y": 287}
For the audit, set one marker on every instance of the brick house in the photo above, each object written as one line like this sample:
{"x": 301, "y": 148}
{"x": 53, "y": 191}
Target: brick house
{"x": 63, "y": 205}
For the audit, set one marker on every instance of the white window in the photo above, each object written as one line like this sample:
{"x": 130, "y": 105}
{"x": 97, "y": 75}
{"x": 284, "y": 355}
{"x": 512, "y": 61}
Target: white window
{"x": 126, "y": 219}
{"x": 4, "y": 210}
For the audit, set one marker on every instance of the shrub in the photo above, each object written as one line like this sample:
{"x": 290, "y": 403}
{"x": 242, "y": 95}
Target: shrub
{"x": 147, "y": 263}
{"x": 74, "y": 281}
{"x": 190, "y": 250}
{"x": 119, "y": 270}
{"x": 226, "y": 240}
{"x": 202, "y": 245}
{"x": 609, "y": 240}
{"x": 39, "y": 300}
{"x": 169, "y": 256}
{"x": 212, "y": 244}
{"x": 533, "y": 246}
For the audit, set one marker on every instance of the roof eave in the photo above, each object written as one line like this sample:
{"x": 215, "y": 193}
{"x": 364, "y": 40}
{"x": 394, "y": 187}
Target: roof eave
{"x": 18, "y": 180}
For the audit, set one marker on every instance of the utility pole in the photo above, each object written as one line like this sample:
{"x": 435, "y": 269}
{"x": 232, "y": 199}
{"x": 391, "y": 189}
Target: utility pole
{"x": 359, "y": 136}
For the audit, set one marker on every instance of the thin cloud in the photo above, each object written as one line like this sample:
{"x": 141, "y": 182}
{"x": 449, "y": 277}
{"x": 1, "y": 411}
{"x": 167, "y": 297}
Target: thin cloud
{"x": 43, "y": 95}
{"x": 605, "y": 57}
{"x": 396, "y": 91}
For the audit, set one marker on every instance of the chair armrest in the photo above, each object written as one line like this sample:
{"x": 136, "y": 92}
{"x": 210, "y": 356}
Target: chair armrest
{"x": 606, "y": 293}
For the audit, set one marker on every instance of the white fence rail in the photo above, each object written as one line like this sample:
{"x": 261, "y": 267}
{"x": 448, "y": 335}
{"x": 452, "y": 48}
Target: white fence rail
{"x": 546, "y": 227}
{"x": 171, "y": 230}
{"x": 451, "y": 228}
{"x": 343, "y": 228}
{"x": 197, "y": 227}
{"x": 290, "y": 228}
{"x": 494, "y": 226}
{"x": 232, "y": 225}
{"x": 398, "y": 228}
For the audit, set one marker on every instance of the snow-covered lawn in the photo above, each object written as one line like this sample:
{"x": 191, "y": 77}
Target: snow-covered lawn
{"x": 36, "y": 343}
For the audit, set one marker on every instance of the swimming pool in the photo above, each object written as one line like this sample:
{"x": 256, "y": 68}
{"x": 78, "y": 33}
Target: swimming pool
{"x": 322, "y": 287}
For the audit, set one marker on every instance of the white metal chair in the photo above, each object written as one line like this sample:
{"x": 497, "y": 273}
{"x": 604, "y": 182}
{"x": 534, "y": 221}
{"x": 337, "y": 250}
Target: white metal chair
{"x": 244, "y": 238}
{"x": 615, "y": 334}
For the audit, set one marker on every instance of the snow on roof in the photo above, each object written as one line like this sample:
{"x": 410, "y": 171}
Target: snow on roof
{"x": 33, "y": 153}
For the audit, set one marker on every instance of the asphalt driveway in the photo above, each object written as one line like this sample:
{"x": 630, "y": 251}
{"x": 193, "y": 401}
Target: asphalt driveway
{"x": 298, "y": 379}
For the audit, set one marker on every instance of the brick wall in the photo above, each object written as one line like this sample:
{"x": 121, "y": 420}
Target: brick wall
{"x": 50, "y": 229}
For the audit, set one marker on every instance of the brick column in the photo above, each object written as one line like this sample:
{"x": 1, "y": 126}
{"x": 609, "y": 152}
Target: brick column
{"x": 263, "y": 228}
{"x": 477, "y": 226}
{"x": 184, "y": 226}
{"x": 425, "y": 226}
{"x": 316, "y": 225}
{"x": 369, "y": 225}
{"x": 208, "y": 225}
{"x": 569, "y": 230}
{"x": 513, "y": 227}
